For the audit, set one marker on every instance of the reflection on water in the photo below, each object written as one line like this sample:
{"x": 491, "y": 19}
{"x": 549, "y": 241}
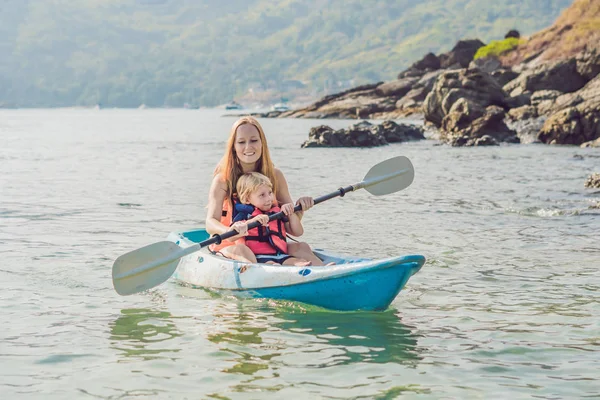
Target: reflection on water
{"x": 374, "y": 337}
{"x": 276, "y": 336}
{"x": 138, "y": 331}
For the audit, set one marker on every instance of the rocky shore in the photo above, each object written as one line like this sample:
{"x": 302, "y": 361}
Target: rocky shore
{"x": 528, "y": 94}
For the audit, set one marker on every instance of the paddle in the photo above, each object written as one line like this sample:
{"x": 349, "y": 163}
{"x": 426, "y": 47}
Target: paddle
{"x": 145, "y": 268}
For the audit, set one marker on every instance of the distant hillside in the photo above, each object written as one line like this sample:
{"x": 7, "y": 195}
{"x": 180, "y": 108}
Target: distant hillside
{"x": 169, "y": 52}
{"x": 576, "y": 28}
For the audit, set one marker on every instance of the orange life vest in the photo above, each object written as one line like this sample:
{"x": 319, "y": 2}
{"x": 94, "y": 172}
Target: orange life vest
{"x": 226, "y": 219}
{"x": 227, "y": 215}
{"x": 267, "y": 240}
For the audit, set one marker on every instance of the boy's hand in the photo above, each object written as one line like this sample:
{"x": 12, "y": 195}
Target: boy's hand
{"x": 288, "y": 209}
{"x": 241, "y": 227}
{"x": 262, "y": 218}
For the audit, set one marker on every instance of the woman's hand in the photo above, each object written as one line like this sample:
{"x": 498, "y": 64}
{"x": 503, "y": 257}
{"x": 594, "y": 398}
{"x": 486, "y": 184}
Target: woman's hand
{"x": 305, "y": 202}
{"x": 288, "y": 209}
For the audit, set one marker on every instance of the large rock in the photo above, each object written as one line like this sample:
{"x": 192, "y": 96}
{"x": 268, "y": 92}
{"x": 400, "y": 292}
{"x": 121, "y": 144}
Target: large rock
{"x": 461, "y": 54}
{"x": 523, "y": 112}
{"x": 397, "y": 88}
{"x": 592, "y": 143}
{"x": 397, "y": 133}
{"x": 588, "y": 63}
{"x": 473, "y": 85}
{"x": 593, "y": 181}
{"x": 504, "y": 75}
{"x": 363, "y": 134}
{"x": 468, "y": 124}
{"x": 486, "y": 64}
{"x": 544, "y": 100}
{"x": 413, "y": 100}
{"x": 562, "y": 76}
{"x": 459, "y": 57}
{"x": 430, "y": 62}
{"x": 576, "y": 119}
{"x": 513, "y": 33}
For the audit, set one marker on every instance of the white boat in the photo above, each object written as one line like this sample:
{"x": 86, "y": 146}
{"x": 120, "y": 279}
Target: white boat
{"x": 281, "y": 107}
{"x": 233, "y": 106}
{"x": 354, "y": 283}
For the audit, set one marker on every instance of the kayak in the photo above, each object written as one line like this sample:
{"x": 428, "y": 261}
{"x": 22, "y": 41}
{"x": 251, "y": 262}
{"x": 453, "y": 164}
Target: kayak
{"x": 353, "y": 283}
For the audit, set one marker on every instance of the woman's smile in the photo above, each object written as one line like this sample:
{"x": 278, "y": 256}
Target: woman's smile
{"x": 248, "y": 145}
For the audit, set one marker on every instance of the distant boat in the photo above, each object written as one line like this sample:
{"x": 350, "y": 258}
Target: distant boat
{"x": 233, "y": 106}
{"x": 281, "y": 107}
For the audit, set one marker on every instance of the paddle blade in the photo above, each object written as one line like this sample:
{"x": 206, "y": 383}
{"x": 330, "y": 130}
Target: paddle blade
{"x": 138, "y": 270}
{"x": 389, "y": 176}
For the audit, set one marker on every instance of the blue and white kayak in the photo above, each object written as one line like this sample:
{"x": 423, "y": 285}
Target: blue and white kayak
{"x": 352, "y": 284}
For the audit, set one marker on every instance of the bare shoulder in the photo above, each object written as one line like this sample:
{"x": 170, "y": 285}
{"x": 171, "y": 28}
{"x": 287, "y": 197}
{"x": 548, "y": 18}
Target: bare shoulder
{"x": 219, "y": 182}
{"x": 279, "y": 175}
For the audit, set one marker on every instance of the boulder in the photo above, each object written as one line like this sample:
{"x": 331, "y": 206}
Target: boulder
{"x": 397, "y": 133}
{"x": 576, "y": 117}
{"x": 397, "y": 88}
{"x": 588, "y": 63}
{"x": 592, "y": 143}
{"x": 523, "y": 99}
{"x": 486, "y": 64}
{"x": 561, "y": 75}
{"x": 504, "y": 75}
{"x": 523, "y": 112}
{"x": 593, "y": 181}
{"x": 544, "y": 100}
{"x": 573, "y": 125}
{"x": 413, "y": 99}
{"x": 362, "y": 134}
{"x": 513, "y": 33}
{"x": 469, "y": 124}
{"x": 461, "y": 54}
{"x": 473, "y": 85}
{"x": 419, "y": 91}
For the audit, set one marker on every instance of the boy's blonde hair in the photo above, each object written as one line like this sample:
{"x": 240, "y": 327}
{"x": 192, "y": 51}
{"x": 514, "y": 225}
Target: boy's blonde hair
{"x": 249, "y": 183}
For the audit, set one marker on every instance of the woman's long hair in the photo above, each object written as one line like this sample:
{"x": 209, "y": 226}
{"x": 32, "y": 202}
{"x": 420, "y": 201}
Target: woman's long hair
{"x": 231, "y": 169}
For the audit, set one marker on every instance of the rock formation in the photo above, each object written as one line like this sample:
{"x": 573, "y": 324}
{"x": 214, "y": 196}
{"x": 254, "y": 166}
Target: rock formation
{"x": 363, "y": 134}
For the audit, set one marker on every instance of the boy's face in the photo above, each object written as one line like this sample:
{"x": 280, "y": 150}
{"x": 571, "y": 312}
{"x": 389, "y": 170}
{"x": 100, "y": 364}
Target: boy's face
{"x": 262, "y": 198}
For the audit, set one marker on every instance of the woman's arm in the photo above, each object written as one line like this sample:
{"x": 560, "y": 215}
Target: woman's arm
{"x": 216, "y": 196}
{"x": 294, "y": 225}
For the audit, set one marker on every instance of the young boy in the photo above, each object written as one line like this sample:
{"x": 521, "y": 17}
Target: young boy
{"x": 267, "y": 242}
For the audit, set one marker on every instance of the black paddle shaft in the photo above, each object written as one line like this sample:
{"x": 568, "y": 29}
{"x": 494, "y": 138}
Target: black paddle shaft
{"x": 219, "y": 238}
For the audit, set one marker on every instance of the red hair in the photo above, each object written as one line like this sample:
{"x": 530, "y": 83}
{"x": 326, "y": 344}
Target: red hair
{"x": 230, "y": 168}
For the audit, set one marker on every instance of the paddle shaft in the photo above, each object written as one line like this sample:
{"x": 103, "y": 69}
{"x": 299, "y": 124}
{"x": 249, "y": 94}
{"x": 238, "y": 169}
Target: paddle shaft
{"x": 340, "y": 192}
{"x": 151, "y": 265}
{"x": 219, "y": 238}
{"x": 366, "y": 183}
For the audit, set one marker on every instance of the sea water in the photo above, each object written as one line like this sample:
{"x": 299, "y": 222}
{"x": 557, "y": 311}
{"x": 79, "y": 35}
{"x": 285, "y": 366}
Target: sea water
{"x": 507, "y": 305}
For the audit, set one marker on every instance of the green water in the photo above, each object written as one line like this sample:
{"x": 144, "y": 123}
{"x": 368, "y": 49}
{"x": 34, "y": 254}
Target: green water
{"x": 507, "y": 306}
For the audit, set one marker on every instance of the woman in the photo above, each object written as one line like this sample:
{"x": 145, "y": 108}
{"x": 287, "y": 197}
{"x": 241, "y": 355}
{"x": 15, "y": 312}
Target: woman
{"x": 247, "y": 151}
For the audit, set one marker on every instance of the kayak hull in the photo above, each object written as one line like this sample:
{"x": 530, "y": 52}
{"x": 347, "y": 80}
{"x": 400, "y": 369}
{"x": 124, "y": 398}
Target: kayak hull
{"x": 352, "y": 284}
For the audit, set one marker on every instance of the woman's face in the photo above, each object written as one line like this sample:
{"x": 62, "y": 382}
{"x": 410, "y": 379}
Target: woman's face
{"x": 248, "y": 146}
